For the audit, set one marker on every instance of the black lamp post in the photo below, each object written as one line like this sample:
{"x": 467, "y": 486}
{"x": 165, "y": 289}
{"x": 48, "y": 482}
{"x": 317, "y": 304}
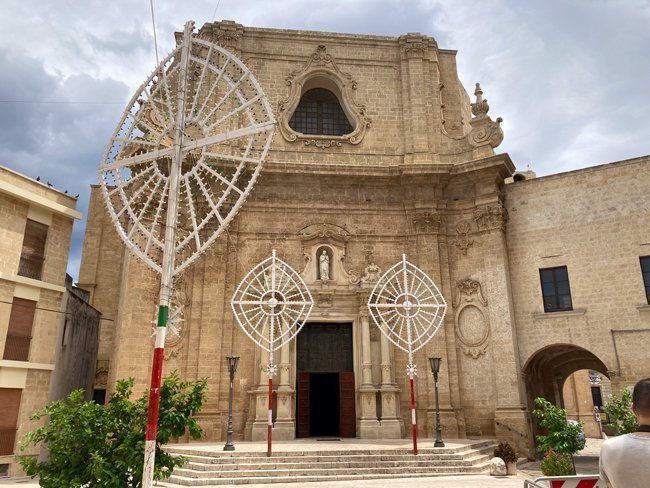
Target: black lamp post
{"x": 232, "y": 367}
{"x": 435, "y": 368}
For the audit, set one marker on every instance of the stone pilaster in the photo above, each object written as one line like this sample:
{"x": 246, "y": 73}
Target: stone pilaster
{"x": 367, "y": 424}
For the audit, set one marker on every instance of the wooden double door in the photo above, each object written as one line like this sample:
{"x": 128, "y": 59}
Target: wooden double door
{"x": 325, "y": 382}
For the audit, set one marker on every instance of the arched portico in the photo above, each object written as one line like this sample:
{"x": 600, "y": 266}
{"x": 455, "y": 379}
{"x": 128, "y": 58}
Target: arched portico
{"x": 547, "y": 370}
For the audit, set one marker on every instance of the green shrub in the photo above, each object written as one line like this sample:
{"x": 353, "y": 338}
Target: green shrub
{"x": 92, "y": 445}
{"x": 557, "y": 464}
{"x": 620, "y": 413}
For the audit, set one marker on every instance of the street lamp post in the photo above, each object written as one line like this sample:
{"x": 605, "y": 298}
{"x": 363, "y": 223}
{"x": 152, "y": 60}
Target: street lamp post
{"x": 435, "y": 368}
{"x": 232, "y": 367}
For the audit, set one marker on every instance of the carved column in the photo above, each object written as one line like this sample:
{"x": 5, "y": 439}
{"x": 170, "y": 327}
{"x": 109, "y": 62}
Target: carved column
{"x": 368, "y": 427}
{"x": 285, "y": 427}
{"x": 391, "y": 424}
{"x": 261, "y": 395}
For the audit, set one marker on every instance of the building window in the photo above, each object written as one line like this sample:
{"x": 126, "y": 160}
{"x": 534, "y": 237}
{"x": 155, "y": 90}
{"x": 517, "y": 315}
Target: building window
{"x": 555, "y": 289}
{"x": 9, "y": 407}
{"x": 32, "y": 255}
{"x": 319, "y": 113}
{"x": 645, "y": 271}
{"x": 19, "y": 333}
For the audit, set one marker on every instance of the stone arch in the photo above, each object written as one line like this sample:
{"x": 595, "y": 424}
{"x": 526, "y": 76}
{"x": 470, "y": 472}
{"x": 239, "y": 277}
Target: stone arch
{"x": 546, "y": 371}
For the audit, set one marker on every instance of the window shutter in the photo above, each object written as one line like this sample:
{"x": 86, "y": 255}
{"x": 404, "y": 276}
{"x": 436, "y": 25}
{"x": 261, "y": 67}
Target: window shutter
{"x": 9, "y": 408}
{"x": 19, "y": 334}
{"x": 33, "y": 252}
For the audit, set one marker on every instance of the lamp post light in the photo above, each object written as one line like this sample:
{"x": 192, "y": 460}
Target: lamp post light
{"x": 435, "y": 368}
{"x": 232, "y": 367}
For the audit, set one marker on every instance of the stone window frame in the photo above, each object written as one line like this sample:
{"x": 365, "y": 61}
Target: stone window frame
{"x": 321, "y": 71}
{"x": 644, "y": 261}
{"x": 552, "y": 273}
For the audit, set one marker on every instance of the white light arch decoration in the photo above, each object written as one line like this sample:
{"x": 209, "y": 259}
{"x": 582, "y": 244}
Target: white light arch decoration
{"x": 221, "y": 136}
{"x": 271, "y": 305}
{"x": 181, "y": 162}
{"x": 408, "y": 308}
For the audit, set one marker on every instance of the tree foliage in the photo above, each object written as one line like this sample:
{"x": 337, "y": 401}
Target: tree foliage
{"x": 562, "y": 437}
{"x": 620, "y": 413}
{"x": 91, "y": 445}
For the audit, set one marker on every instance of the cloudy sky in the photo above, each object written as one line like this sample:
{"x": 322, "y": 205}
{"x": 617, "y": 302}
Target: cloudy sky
{"x": 571, "y": 78}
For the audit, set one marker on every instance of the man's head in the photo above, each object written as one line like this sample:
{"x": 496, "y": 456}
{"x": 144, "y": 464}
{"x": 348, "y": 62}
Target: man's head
{"x": 641, "y": 399}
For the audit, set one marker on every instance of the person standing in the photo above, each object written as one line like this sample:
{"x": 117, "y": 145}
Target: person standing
{"x": 625, "y": 460}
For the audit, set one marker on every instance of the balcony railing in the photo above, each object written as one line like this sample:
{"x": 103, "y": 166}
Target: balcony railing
{"x": 31, "y": 267}
{"x": 17, "y": 348}
{"x": 7, "y": 441}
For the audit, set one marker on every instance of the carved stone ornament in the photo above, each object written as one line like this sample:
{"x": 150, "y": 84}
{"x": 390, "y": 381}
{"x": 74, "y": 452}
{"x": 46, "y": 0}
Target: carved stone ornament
{"x": 469, "y": 291}
{"x": 491, "y": 217}
{"x": 321, "y": 71}
{"x": 485, "y": 131}
{"x": 415, "y": 45}
{"x": 472, "y": 323}
{"x": 225, "y": 33}
{"x": 463, "y": 242}
{"x": 426, "y": 222}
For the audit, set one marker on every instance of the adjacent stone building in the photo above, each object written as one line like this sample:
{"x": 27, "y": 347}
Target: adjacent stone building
{"x": 40, "y": 323}
{"x": 380, "y": 152}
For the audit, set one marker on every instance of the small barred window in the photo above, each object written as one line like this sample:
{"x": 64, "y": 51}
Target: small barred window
{"x": 319, "y": 113}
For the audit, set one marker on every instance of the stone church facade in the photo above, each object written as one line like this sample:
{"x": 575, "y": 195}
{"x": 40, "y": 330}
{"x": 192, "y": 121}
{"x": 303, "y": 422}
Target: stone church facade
{"x": 415, "y": 171}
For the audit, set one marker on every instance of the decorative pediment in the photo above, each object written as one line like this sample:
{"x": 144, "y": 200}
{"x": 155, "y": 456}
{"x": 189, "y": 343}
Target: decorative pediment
{"x": 325, "y": 233}
{"x": 321, "y": 71}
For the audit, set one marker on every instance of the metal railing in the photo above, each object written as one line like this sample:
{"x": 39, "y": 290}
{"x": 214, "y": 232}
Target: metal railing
{"x": 575, "y": 481}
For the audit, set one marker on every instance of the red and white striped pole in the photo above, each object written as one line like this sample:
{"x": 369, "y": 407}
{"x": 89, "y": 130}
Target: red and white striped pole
{"x": 413, "y": 423}
{"x": 270, "y": 426}
{"x": 167, "y": 271}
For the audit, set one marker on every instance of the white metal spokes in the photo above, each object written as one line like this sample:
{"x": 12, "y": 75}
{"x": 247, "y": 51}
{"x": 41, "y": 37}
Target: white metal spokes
{"x": 407, "y": 306}
{"x": 227, "y": 131}
{"x": 272, "y": 303}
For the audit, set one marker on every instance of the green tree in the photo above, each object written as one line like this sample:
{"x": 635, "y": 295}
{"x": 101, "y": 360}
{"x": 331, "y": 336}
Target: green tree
{"x": 620, "y": 412}
{"x": 91, "y": 445}
{"x": 561, "y": 436}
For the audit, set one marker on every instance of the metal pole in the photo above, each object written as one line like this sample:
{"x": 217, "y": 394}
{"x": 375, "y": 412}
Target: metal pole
{"x": 232, "y": 364}
{"x": 413, "y": 423}
{"x": 167, "y": 269}
{"x": 438, "y": 442}
{"x": 411, "y": 367}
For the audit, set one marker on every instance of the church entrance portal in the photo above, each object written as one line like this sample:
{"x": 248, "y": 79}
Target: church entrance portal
{"x": 325, "y": 392}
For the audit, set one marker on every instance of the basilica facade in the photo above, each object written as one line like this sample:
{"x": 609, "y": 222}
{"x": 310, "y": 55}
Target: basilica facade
{"x": 379, "y": 152}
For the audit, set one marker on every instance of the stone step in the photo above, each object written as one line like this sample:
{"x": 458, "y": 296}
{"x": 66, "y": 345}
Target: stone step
{"x": 323, "y": 471}
{"x": 187, "y": 451}
{"x": 206, "y": 468}
{"x": 360, "y": 462}
{"x": 240, "y": 480}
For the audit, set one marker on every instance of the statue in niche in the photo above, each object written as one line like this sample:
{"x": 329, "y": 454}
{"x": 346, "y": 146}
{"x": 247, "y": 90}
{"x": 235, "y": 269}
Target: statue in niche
{"x": 324, "y": 266}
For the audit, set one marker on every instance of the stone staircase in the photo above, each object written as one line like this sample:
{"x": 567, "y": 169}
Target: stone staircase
{"x": 212, "y": 467}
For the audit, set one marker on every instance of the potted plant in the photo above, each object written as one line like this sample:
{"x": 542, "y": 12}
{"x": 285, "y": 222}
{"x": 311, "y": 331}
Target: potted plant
{"x": 557, "y": 464}
{"x": 506, "y": 452}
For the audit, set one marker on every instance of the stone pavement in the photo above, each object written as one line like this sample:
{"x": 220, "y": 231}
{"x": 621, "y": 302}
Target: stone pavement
{"x": 586, "y": 463}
